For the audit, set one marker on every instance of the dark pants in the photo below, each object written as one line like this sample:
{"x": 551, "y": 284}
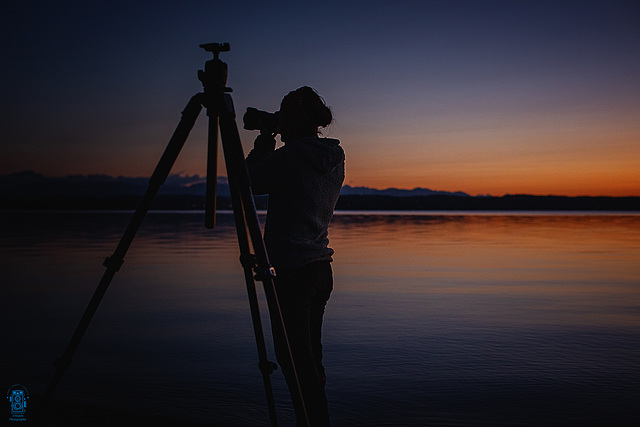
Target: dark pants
{"x": 303, "y": 294}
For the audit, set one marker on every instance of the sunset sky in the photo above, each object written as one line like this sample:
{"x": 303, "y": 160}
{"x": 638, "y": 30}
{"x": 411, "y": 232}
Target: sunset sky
{"x": 485, "y": 97}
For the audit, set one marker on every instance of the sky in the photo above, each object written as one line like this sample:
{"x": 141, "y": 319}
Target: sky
{"x": 485, "y": 97}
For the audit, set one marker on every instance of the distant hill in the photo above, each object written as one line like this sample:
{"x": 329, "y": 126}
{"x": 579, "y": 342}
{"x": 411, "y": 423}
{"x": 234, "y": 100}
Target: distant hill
{"x": 30, "y": 190}
{"x": 31, "y": 184}
{"x": 395, "y": 192}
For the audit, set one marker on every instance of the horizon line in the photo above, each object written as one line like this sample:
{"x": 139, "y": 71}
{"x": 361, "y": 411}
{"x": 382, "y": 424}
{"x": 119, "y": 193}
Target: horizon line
{"x": 196, "y": 176}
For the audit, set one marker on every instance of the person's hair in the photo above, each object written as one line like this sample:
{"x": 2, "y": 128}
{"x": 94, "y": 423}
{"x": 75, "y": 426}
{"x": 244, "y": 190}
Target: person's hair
{"x": 312, "y": 105}
{"x": 315, "y": 107}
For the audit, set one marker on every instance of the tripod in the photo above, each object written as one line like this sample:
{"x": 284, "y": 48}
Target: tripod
{"x": 221, "y": 115}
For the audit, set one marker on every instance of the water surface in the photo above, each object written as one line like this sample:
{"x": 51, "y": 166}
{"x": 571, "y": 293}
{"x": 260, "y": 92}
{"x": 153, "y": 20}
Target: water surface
{"x": 436, "y": 318}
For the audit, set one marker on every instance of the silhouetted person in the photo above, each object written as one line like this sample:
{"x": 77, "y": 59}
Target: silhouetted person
{"x": 303, "y": 179}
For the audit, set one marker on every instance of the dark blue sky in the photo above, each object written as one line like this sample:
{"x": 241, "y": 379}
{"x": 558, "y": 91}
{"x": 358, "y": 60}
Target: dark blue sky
{"x": 477, "y": 96}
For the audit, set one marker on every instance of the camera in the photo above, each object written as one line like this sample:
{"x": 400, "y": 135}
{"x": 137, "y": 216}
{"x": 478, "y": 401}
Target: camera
{"x": 18, "y": 403}
{"x": 263, "y": 121}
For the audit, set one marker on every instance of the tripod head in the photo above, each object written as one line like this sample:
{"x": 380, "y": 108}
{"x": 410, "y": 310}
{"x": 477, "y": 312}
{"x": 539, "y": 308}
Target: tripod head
{"x": 214, "y": 75}
{"x": 216, "y": 48}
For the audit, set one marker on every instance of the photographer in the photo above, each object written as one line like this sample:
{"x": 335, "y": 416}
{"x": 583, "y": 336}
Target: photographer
{"x": 303, "y": 179}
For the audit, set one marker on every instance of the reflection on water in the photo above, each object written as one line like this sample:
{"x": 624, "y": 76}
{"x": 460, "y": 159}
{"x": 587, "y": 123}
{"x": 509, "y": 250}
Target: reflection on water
{"x": 437, "y": 319}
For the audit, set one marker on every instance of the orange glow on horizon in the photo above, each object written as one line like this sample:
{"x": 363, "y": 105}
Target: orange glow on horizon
{"x": 590, "y": 178}
{"x": 568, "y": 159}
{"x": 567, "y": 182}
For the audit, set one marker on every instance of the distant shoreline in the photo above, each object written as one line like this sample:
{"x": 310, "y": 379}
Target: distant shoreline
{"x": 345, "y": 203}
{"x": 490, "y": 203}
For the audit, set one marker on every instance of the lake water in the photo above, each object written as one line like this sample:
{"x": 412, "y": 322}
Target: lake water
{"x": 436, "y": 319}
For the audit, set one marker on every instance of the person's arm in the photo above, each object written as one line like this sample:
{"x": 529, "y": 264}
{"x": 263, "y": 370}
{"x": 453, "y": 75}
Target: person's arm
{"x": 260, "y": 165}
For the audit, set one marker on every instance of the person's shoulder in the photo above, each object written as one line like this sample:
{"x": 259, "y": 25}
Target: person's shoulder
{"x": 333, "y": 144}
{"x": 331, "y": 141}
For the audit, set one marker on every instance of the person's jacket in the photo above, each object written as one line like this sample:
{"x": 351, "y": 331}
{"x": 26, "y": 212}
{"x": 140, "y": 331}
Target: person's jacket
{"x": 303, "y": 180}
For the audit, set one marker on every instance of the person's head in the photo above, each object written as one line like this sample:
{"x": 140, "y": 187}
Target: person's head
{"x": 302, "y": 113}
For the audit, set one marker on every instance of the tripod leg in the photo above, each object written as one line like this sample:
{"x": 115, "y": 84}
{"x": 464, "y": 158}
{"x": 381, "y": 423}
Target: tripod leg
{"x": 248, "y": 263}
{"x": 239, "y": 177}
{"x": 212, "y": 171}
{"x": 114, "y": 262}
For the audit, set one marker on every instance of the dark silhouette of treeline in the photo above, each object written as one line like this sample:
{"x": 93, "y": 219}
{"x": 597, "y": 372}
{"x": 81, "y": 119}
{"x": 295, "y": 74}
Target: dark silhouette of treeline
{"x": 489, "y": 203}
{"x": 345, "y": 202}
